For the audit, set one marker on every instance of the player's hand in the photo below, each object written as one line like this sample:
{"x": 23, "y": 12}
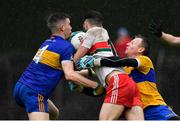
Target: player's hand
{"x": 85, "y": 62}
{"x": 99, "y": 90}
{"x": 155, "y": 27}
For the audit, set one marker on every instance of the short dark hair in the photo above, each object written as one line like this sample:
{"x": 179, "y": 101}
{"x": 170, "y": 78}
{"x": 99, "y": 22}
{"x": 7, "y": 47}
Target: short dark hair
{"x": 145, "y": 43}
{"x": 54, "y": 18}
{"x": 94, "y": 17}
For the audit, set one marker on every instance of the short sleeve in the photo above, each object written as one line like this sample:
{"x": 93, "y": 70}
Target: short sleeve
{"x": 144, "y": 64}
{"x": 68, "y": 53}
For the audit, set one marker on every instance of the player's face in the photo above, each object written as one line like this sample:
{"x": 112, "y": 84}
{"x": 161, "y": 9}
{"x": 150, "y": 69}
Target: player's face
{"x": 67, "y": 28}
{"x": 85, "y": 25}
{"x": 134, "y": 47}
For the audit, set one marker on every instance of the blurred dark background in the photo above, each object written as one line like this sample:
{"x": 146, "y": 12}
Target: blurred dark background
{"x": 23, "y": 29}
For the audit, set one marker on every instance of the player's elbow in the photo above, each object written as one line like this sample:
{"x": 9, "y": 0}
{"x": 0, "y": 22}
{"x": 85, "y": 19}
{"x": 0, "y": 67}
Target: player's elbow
{"x": 70, "y": 75}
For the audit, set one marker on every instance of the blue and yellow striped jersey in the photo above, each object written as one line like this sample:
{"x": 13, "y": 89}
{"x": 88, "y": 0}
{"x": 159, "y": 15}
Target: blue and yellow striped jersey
{"x": 144, "y": 76}
{"x": 45, "y": 71}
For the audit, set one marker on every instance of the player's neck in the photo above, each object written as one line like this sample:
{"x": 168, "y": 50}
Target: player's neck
{"x": 59, "y": 34}
{"x": 132, "y": 56}
{"x": 91, "y": 26}
{"x": 138, "y": 54}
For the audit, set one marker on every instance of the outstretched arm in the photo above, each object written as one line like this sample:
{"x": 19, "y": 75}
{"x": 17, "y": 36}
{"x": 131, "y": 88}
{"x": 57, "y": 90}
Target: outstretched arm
{"x": 114, "y": 61}
{"x": 170, "y": 39}
{"x": 155, "y": 28}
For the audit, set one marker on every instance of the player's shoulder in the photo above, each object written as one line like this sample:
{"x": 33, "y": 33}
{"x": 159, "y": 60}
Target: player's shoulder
{"x": 58, "y": 45}
{"x": 96, "y": 29}
{"x": 64, "y": 45}
{"x": 143, "y": 57}
{"x": 144, "y": 61}
{"x": 99, "y": 32}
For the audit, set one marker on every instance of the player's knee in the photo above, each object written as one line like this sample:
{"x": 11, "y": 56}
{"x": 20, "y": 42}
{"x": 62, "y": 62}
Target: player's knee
{"x": 53, "y": 110}
{"x": 38, "y": 116}
{"x": 109, "y": 116}
{"x": 54, "y": 114}
{"x": 103, "y": 117}
{"x": 134, "y": 113}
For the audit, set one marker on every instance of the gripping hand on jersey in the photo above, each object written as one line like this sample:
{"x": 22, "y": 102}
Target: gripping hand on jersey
{"x": 85, "y": 62}
{"x": 97, "y": 92}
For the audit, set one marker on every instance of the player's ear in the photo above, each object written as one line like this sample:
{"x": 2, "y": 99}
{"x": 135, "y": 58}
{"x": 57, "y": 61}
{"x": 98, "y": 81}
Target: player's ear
{"x": 85, "y": 25}
{"x": 62, "y": 28}
{"x": 141, "y": 49}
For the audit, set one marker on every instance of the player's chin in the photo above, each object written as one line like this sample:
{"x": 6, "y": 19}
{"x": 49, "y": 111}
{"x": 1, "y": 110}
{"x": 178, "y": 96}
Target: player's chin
{"x": 68, "y": 35}
{"x": 126, "y": 51}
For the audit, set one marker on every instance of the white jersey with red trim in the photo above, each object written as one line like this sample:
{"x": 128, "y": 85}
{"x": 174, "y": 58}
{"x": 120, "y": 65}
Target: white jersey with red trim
{"x": 96, "y": 39}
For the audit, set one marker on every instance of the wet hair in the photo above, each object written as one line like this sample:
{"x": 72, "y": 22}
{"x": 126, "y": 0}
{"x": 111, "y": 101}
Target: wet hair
{"x": 54, "y": 19}
{"x": 94, "y": 18}
{"x": 145, "y": 43}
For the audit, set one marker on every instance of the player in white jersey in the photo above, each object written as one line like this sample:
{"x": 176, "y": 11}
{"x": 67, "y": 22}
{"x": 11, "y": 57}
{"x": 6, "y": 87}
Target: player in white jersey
{"x": 121, "y": 90}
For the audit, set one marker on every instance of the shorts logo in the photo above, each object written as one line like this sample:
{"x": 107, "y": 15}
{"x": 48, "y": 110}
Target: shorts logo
{"x": 41, "y": 103}
{"x": 114, "y": 94}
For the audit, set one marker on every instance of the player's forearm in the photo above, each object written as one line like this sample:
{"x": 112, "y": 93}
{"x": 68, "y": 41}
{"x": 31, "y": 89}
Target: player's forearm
{"x": 78, "y": 79}
{"x": 83, "y": 72}
{"x": 115, "y": 62}
{"x": 170, "y": 38}
{"x": 80, "y": 53}
{"x": 70, "y": 74}
{"x": 86, "y": 72}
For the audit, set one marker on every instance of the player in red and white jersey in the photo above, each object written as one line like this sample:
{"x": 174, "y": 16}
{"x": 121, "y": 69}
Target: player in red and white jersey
{"x": 121, "y": 90}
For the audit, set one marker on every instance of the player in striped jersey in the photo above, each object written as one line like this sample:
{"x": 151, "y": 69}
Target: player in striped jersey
{"x": 141, "y": 69}
{"x": 122, "y": 94}
{"x": 51, "y": 63}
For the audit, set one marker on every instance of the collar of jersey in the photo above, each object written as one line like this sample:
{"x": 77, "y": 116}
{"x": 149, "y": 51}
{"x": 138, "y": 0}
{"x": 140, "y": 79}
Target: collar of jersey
{"x": 57, "y": 37}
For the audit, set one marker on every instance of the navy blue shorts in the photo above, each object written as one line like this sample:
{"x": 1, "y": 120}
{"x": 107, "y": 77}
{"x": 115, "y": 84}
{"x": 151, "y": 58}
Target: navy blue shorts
{"x": 30, "y": 99}
{"x": 158, "y": 113}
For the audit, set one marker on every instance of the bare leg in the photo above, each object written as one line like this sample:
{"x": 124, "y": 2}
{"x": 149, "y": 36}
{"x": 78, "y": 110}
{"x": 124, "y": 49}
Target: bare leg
{"x": 38, "y": 116}
{"x": 110, "y": 111}
{"x": 53, "y": 110}
{"x": 134, "y": 113}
